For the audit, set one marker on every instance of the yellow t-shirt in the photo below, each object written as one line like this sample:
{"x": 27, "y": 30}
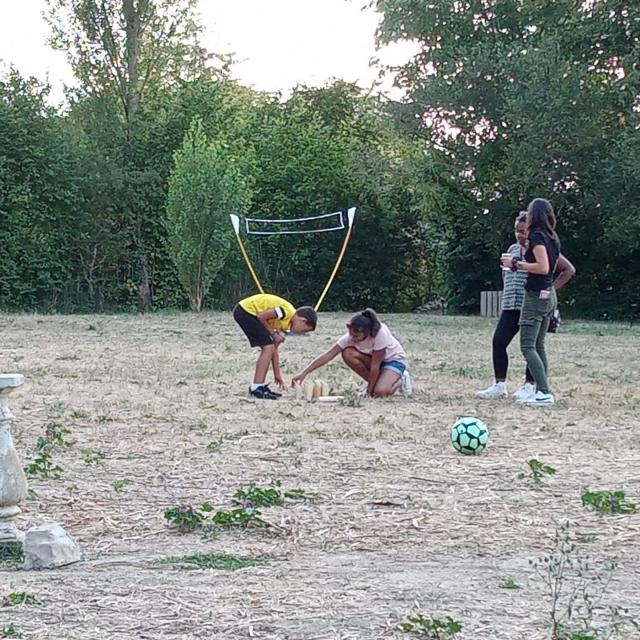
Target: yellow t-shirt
{"x": 265, "y": 301}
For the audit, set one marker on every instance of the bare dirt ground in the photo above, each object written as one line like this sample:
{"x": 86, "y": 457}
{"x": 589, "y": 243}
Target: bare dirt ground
{"x": 401, "y": 522}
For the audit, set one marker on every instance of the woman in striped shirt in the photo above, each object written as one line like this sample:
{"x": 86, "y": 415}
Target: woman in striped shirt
{"x": 507, "y": 327}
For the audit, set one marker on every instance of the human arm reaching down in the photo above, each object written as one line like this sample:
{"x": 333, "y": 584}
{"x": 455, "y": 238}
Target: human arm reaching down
{"x": 320, "y": 361}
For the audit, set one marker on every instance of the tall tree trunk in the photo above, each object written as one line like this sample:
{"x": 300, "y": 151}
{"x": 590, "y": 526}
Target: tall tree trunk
{"x": 133, "y": 30}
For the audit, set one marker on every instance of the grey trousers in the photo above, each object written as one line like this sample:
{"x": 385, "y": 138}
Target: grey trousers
{"x": 534, "y": 323}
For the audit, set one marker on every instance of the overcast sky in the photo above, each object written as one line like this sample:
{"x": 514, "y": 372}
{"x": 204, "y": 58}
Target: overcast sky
{"x": 277, "y": 43}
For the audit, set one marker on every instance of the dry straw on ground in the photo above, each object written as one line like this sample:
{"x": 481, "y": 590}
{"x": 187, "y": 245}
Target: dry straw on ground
{"x": 401, "y": 522}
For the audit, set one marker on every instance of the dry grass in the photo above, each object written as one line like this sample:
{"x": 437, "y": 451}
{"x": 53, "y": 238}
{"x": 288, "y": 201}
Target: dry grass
{"x": 401, "y": 523}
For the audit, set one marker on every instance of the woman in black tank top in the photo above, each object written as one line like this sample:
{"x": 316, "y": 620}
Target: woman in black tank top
{"x": 540, "y": 297}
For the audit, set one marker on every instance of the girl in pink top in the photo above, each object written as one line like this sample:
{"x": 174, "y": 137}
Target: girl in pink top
{"x": 371, "y": 350}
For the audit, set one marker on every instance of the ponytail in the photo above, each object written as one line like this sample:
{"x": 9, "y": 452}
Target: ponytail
{"x": 366, "y": 322}
{"x": 375, "y": 323}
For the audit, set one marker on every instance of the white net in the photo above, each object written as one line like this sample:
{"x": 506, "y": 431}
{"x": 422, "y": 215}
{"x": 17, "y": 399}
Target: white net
{"x": 310, "y": 224}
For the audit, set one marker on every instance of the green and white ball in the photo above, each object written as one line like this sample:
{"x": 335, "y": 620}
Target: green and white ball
{"x": 469, "y": 435}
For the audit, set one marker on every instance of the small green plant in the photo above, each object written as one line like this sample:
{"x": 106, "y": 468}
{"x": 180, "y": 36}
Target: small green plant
{"x": 119, "y": 485}
{"x": 538, "y": 470}
{"x": 102, "y": 419}
{"x": 215, "y": 445}
{"x": 431, "y": 628}
{"x": 242, "y": 517}
{"x": 271, "y": 496}
{"x": 11, "y": 555}
{"x": 222, "y": 562}
{"x": 576, "y": 586}
{"x": 10, "y": 631}
{"x": 608, "y": 502}
{"x": 351, "y": 399}
{"x": 184, "y": 518}
{"x": 43, "y": 466}
{"x": 509, "y": 583}
{"x": 54, "y": 436}
{"x": 259, "y": 497}
{"x": 18, "y": 598}
{"x": 79, "y": 414}
{"x": 92, "y": 456}
{"x": 58, "y": 407}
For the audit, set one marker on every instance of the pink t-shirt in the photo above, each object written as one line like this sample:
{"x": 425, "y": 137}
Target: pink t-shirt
{"x": 383, "y": 340}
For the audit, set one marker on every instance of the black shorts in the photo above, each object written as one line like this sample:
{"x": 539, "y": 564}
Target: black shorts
{"x": 252, "y": 327}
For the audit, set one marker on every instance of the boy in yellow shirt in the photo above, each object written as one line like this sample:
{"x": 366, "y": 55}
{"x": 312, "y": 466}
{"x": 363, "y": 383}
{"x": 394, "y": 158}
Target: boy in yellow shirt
{"x": 263, "y": 318}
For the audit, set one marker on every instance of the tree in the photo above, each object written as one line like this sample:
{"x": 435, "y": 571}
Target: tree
{"x": 128, "y": 48}
{"x": 524, "y": 98}
{"x": 326, "y": 149}
{"x": 39, "y": 197}
{"x": 207, "y": 184}
{"x": 125, "y": 52}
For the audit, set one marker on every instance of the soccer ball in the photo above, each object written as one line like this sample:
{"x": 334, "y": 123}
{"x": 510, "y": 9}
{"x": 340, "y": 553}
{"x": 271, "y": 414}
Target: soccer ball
{"x": 469, "y": 435}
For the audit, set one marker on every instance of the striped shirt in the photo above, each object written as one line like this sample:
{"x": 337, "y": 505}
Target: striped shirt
{"x": 513, "y": 282}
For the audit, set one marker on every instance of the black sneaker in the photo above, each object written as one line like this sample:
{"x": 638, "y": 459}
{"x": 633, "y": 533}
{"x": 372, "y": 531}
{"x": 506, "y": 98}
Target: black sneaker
{"x": 275, "y": 393}
{"x": 263, "y": 393}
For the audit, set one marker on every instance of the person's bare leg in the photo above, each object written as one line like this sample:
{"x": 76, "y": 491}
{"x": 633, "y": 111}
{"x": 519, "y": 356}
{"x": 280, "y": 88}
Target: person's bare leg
{"x": 262, "y": 366}
{"x": 358, "y": 362}
{"x": 388, "y": 383}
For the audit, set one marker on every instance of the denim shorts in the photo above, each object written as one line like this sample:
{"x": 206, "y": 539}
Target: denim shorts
{"x": 395, "y": 365}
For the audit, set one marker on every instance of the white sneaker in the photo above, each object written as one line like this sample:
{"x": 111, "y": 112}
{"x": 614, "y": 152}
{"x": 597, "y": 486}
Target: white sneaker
{"x": 539, "y": 400}
{"x": 407, "y": 385}
{"x": 496, "y": 390}
{"x": 525, "y": 391}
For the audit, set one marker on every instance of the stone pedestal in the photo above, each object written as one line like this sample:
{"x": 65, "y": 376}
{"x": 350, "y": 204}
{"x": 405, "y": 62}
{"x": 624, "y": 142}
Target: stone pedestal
{"x": 43, "y": 547}
{"x": 13, "y": 483}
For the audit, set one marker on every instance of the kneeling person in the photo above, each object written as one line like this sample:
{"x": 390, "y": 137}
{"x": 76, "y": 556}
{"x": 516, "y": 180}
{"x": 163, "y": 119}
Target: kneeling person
{"x": 372, "y": 351}
{"x": 263, "y": 318}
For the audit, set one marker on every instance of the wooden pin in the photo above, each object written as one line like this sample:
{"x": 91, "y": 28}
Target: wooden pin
{"x": 309, "y": 388}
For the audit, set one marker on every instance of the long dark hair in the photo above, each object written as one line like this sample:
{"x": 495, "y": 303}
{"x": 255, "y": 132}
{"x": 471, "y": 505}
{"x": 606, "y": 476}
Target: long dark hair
{"x": 365, "y": 322}
{"x": 542, "y": 218}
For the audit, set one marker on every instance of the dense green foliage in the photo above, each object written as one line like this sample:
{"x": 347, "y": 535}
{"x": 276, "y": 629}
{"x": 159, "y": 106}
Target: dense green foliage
{"x": 127, "y": 199}
{"x": 507, "y": 101}
{"x": 207, "y": 184}
{"x": 531, "y": 98}
{"x": 39, "y": 197}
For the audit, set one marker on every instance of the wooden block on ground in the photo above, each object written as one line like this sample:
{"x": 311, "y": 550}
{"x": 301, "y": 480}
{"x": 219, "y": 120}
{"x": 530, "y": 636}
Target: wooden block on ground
{"x": 309, "y": 388}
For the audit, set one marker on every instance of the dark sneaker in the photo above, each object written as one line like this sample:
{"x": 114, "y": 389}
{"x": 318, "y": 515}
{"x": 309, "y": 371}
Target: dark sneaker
{"x": 275, "y": 393}
{"x": 263, "y": 393}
